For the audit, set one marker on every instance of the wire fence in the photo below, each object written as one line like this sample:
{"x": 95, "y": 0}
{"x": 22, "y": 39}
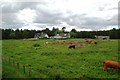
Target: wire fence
{"x": 24, "y": 68}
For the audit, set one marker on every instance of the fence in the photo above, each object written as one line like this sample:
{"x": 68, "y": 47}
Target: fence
{"x": 26, "y": 69}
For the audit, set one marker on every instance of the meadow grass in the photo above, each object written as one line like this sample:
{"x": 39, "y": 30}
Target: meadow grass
{"x": 56, "y": 60}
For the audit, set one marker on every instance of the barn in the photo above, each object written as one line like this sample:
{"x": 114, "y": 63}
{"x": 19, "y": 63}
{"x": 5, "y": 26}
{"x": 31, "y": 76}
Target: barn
{"x": 102, "y": 37}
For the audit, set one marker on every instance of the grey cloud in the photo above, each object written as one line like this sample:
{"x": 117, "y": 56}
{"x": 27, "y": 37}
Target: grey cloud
{"x": 52, "y": 18}
{"x": 31, "y": 5}
{"x": 101, "y": 8}
{"x": 98, "y": 23}
{"x": 16, "y": 6}
{"x": 114, "y": 8}
{"x": 12, "y": 25}
{"x": 9, "y": 8}
{"x": 83, "y": 22}
{"x": 9, "y": 11}
{"x": 9, "y": 18}
{"x": 114, "y": 19}
{"x": 46, "y": 17}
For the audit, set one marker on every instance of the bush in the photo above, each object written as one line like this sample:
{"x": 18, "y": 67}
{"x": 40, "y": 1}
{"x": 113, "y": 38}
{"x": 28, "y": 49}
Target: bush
{"x": 36, "y": 45}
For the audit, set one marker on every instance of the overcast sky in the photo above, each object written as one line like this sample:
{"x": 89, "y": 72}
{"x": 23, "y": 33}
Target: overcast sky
{"x": 40, "y": 14}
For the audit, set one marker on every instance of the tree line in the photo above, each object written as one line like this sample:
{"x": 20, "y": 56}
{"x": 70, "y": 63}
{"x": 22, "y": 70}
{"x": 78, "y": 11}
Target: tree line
{"x": 25, "y": 34}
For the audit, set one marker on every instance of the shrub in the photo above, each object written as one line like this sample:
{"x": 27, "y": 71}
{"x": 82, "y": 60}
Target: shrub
{"x": 36, "y": 45}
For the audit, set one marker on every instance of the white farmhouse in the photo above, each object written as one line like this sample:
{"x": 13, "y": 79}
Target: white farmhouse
{"x": 65, "y": 35}
{"x": 41, "y": 35}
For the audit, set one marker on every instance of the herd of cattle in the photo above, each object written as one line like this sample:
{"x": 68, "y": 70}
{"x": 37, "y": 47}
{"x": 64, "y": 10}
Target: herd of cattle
{"x": 72, "y": 44}
{"x": 107, "y": 63}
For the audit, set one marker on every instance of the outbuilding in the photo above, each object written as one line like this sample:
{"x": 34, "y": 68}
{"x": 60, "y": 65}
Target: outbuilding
{"x": 102, "y": 37}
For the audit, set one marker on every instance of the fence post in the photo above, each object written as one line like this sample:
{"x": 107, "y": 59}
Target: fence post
{"x": 9, "y": 60}
{"x": 18, "y": 65}
{"x": 12, "y": 59}
{"x": 13, "y": 62}
{"x": 5, "y": 59}
{"x": 24, "y": 68}
{"x": 29, "y": 67}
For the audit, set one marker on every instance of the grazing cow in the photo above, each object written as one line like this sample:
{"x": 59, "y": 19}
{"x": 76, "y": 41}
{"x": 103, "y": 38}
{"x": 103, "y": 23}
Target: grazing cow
{"x": 93, "y": 42}
{"x": 104, "y": 38}
{"x": 46, "y": 43}
{"x": 89, "y": 42}
{"x": 85, "y": 38}
{"x": 72, "y": 46}
{"x": 111, "y": 64}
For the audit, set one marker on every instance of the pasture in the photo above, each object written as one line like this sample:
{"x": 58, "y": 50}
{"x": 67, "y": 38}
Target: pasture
{"x": 56, "y": 60}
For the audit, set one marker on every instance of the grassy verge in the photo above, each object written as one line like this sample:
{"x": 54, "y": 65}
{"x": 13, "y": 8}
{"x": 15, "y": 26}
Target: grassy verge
{"x": 57, "y": 61}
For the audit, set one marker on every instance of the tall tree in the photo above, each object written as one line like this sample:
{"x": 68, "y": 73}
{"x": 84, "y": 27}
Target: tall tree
{"x": 74, "y": 30}
{"x": 54, "y": 31}
{"x": 12, "y": 35}
{"x": 63, "y": 29}
{"x": 25, "y": 34}
{"x": 73, "y": 33}
{"x": 114, "y": 33}
{"x": 20, "y": 34}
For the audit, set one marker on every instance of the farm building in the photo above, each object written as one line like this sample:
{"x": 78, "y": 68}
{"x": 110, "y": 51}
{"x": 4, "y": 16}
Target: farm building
{"x": 58, "y": 36}
{"x": 41, "y": 35}
{"x": 102, "y": 37}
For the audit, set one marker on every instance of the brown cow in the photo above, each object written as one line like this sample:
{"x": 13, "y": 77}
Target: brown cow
{"x": 111, "y": 64}
{"x": 93, "y": 42}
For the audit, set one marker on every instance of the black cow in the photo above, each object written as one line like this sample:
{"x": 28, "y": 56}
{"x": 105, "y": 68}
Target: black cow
{"x": 104, "y": 38}
{"x": 72, "y": 46}
{"x": 95, "y": 42}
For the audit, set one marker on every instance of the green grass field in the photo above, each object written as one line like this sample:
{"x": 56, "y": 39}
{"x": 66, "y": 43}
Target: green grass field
{"x": 56, "y": 60}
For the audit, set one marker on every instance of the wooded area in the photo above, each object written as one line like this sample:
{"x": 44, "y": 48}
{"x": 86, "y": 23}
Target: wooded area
{"x": 24, "y": 34}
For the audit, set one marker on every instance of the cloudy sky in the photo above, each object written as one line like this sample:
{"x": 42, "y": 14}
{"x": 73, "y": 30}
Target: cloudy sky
{"x": 40, "y": 14}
